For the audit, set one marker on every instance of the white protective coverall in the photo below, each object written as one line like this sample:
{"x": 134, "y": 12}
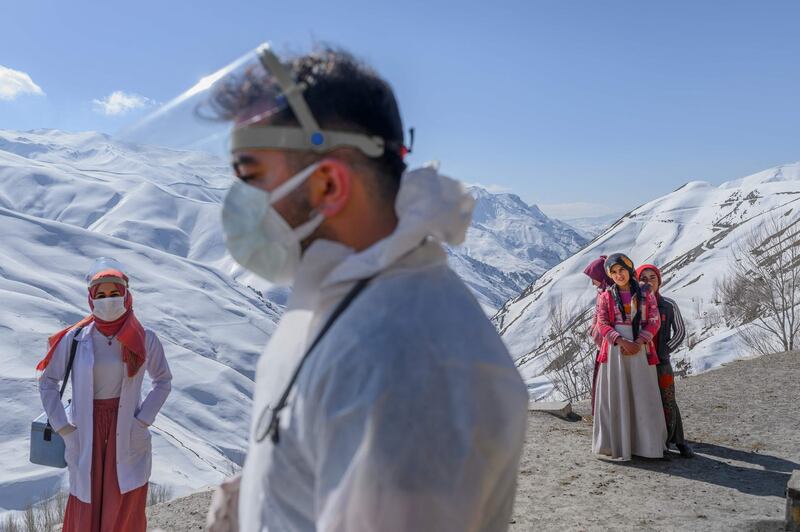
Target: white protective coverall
{"x": 410, "y": 414}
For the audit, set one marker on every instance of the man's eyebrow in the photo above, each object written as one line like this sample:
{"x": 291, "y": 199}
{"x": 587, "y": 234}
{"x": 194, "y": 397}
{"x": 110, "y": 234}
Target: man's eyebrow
{"x": 244, "y": 159}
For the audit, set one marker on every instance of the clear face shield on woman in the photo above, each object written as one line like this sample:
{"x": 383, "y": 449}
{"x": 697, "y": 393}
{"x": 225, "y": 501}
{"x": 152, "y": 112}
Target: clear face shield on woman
{"x": 101, "y": 264}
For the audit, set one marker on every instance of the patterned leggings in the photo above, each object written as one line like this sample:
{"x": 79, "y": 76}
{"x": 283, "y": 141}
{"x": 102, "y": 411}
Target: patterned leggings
{"x": 666, "y": 384}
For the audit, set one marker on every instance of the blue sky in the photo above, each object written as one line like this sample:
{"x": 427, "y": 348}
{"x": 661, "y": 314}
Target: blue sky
{"x": 605, "y": 103}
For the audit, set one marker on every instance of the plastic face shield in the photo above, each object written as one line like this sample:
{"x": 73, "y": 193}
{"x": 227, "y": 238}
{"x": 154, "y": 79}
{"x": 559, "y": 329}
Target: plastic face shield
{"x": 247, "y": 92}
{"x": 102, "y": 264}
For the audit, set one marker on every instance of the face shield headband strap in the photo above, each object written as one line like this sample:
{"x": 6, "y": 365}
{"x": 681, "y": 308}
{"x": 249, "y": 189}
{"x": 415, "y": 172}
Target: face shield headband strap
{"x": 309, "y": 136}
{"x": 108, "y": 279}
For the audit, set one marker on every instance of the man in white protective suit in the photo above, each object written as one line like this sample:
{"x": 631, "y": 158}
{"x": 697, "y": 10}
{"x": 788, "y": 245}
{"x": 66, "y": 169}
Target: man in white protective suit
{"x": 385, "y": 399}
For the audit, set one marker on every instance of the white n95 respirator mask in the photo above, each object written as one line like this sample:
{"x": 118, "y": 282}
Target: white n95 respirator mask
{"x": 257, "y": 237}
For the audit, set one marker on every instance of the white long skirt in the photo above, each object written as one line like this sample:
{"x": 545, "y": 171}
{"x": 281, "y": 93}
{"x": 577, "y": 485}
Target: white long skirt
{"x": 628, "y": 416}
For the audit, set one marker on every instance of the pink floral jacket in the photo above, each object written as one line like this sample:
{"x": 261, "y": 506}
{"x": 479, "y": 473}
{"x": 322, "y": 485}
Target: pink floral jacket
{"x": 607, "y": 314}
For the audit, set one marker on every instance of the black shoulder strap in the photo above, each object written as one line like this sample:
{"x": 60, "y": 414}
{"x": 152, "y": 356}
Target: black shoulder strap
{"x": 48, "y": 429}
{"x": 272, "y": 428}
{"x": 72, "y": 351}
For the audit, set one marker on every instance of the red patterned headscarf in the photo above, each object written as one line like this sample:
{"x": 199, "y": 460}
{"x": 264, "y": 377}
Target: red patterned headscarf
{"x": 644, "y": 267}
{"x": 128, "y": 330}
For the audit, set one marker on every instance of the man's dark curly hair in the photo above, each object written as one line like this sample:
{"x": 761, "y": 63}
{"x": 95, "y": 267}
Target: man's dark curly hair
{"x": 343, "y": 93}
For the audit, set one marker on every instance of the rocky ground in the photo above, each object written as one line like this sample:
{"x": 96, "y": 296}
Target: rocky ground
{"x": 744, "y": 420}
{"x": 180, "y": 515}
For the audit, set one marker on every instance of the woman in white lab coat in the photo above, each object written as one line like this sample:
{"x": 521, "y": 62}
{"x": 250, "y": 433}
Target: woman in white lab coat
{"x": 106, "y": 436}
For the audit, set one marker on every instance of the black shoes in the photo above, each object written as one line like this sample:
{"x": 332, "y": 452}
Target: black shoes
{"x": 685, "y": 450}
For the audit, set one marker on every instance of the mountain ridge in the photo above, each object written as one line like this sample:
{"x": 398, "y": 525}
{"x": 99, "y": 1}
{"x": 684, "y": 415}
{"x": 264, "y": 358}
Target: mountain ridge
{"x": 509, "y": 244}
{"x": 690, "y": 233}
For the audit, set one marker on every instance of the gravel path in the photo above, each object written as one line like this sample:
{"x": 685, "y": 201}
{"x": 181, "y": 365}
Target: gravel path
{"x": 180, "y": 515}
{"x": 744, "y": 419}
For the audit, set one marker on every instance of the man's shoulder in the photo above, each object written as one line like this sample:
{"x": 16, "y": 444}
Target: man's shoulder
{"x": 427, "y": 314}
{"x": 428, "y": 300}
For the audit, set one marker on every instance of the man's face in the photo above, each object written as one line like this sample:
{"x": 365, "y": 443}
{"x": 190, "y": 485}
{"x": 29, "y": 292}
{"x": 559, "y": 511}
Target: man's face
{"x": 650, "y": 277}
{"x": 267, "y": 169}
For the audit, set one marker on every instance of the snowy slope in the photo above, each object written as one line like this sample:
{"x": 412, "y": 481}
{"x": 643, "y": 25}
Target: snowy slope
{"x": 509, "y": 244}
{"x": 67, "y": 198}
{"x": 592, "y": 226}
{"x": 690, "y": 233}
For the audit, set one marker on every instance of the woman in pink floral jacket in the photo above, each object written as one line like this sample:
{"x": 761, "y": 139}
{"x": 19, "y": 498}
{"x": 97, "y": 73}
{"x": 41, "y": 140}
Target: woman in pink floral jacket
{"x": 628, "y": 419}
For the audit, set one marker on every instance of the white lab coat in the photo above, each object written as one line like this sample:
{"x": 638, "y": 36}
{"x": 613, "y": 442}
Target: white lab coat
{"x": 134, "y": 451}
{"x": 410, "y": 414}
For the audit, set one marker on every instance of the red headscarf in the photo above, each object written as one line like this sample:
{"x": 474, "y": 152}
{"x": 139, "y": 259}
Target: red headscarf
{"x": 639, "y": 271}
{"x": 644, "y": 267}
{"x": 127, "y": 328}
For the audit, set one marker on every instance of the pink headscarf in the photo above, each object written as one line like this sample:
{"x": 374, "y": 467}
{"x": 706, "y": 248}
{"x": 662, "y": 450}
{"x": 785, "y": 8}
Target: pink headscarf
{"x": 596, "y": 271}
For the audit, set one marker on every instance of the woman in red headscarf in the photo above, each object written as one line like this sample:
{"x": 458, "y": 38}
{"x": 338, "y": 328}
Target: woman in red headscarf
{"x": 669, "y": 337}
{"x": 105, "y": 429}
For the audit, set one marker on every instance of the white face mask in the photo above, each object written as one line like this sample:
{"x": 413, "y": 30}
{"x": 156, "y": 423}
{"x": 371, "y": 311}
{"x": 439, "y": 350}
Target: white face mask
{"x": 109, "y": 308}
{"x": 257, "y": 237}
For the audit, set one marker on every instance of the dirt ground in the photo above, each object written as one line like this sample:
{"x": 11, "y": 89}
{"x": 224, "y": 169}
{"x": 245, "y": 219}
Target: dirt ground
{"x": 743, "y": 420}
{"x": 181, "y": 515}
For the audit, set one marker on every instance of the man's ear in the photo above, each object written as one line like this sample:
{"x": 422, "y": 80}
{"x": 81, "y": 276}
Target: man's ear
{"x": 331, "y": 184}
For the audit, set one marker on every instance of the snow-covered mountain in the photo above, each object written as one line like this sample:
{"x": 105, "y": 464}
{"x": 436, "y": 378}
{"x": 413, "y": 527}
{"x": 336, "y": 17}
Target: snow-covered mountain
{"x": 66, "y": 198}
{"x": 509, "y": 245}
{"x": 592, "y": 226}
{"x": 690, "y": 233}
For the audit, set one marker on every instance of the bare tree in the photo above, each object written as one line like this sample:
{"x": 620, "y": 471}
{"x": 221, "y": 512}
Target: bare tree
{"x": 10, "y": 524}
{"x": 29, "y": 520}
{"x": 570, "y": 353}
{"x": 157, "y": 494}
{"x": 761, "y": 293}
